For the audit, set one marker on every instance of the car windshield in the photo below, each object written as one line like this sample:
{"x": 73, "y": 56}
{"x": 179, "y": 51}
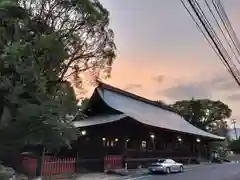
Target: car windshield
{"x": 161, "y": 160}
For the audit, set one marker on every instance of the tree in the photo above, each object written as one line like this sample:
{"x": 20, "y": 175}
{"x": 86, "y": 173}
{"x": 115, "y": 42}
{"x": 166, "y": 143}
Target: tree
{"x": 30, "y": 110}
{"x": 82, "y": 27}
{"x": 205, "y": 114}
{"x": 84, "y": 103}
{"x": 209, "y": 116}
{"x": 43, "y": 43}
{"x": 161, "y": 102}
{"x": 235, "y": 146}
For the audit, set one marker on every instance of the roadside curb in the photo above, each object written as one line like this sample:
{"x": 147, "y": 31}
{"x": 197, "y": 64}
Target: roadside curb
{"x": 139, "y": 174}
{"x": 146, "y": 173}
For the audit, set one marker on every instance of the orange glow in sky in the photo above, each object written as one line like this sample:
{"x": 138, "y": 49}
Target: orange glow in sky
{"x": 163, "y": 56}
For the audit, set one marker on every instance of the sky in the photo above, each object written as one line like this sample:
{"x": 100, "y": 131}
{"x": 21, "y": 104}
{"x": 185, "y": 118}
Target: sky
{"x": 161, "y": 55}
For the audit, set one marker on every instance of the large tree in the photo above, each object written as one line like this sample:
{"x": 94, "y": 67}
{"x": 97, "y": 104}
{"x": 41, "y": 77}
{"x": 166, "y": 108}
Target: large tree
{"x": 42, "y": 44}
{"x": 82, "y": 27}
{"x": 234, "y": 145}
{"x": 205, "y": 114}
{"x": 209, "y": 116}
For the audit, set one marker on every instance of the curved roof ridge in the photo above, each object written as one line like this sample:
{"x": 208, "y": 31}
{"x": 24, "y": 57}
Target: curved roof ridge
{"x": 134, "y": 96}
{"x": 119, "y": 99}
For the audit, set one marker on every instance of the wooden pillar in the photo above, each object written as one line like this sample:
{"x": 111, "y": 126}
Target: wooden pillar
{"x": 124, "y": 145}
{"x": 164, "y": 145}
{"x": 153, "y": 144}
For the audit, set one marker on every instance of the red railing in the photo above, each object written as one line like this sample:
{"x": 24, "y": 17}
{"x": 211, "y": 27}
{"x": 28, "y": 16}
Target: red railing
{"x": 29, "y": 165}
{"x": 50, "y": 166}
{"x": 112, "y": 162}
{"x": 53, "y": 166}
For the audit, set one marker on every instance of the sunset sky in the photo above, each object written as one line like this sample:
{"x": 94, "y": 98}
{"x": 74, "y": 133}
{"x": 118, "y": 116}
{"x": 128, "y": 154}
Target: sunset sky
{"x": 163, "y": 56}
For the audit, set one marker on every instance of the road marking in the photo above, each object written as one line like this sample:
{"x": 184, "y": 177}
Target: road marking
{"x": 145, "y": 176}
{"x": 140, "y": 177}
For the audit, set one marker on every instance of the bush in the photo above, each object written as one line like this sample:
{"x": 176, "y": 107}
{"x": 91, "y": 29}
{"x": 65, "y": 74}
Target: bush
{"x": 6, "y": 173}
{"x": 217, "y": 160}
{"x": 235, "y": 146}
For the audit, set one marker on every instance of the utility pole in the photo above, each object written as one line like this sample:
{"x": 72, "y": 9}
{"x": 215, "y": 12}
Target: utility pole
{"x": 234, "y": 126}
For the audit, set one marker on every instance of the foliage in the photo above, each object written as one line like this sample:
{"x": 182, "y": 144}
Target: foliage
{"x": 82, "y": 27}
{"x": 160, "y": 102}
{"x": 84, "y": 103}
{"x": 205, "y": 114}
{"x": 43, "y": 43}
{"x": 209, "y": 116}
{"x": 6, "y": 173}
{"x": 235, "y": 145}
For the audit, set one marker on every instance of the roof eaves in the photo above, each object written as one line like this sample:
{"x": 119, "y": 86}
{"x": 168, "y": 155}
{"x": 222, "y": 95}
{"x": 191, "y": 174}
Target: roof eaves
{"x": 139, "y": 98}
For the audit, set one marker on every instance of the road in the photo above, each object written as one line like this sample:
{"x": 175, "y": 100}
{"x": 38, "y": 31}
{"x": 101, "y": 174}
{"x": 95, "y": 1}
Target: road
{"x": 211, "y": 172}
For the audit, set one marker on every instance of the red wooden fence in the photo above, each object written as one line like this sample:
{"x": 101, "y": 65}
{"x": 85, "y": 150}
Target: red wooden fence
{"x": 112, "y": 162}
{"x": 29, "y": 165}
{"x": 53, "y": 166}
{"x": 50, "y": 166}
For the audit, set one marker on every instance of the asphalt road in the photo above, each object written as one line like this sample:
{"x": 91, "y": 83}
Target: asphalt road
{"x": 211, "y": 172}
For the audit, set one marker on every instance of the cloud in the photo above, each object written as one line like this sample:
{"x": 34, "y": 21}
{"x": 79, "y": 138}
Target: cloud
{"x": 159, "y": 79}
{"x": 234, "y": 97}
{"x": 133, "y": 86}
{"x": 187, "y": 91}
{"x": 224, "y": 83}
{"x": 201, "y": 89}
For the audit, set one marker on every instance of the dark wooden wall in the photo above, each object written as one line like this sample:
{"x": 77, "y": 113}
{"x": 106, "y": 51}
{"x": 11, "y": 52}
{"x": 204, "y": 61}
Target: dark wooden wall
{"x": 125, "y": 136}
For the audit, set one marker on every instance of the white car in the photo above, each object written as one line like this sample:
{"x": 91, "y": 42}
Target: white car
{"x": 165, "y": 166}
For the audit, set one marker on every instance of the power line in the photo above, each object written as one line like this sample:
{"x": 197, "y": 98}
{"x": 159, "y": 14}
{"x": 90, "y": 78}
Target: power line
{"x": 210, "y": 28}
{"x": 205, "y": 36}
{"x": 227, "y": 25}
{"x": 199, "y": 27}
{"x": 220, "y": 28}
{"x": 228, "y": 58}
{"x": 221, "y": 51}
{"x": 215, "y": 37}
{"x": 236, "y": 40}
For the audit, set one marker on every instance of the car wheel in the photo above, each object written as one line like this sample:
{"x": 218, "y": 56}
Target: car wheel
{"x": 168, "y": 170}
{"x": 181, "y": 169}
